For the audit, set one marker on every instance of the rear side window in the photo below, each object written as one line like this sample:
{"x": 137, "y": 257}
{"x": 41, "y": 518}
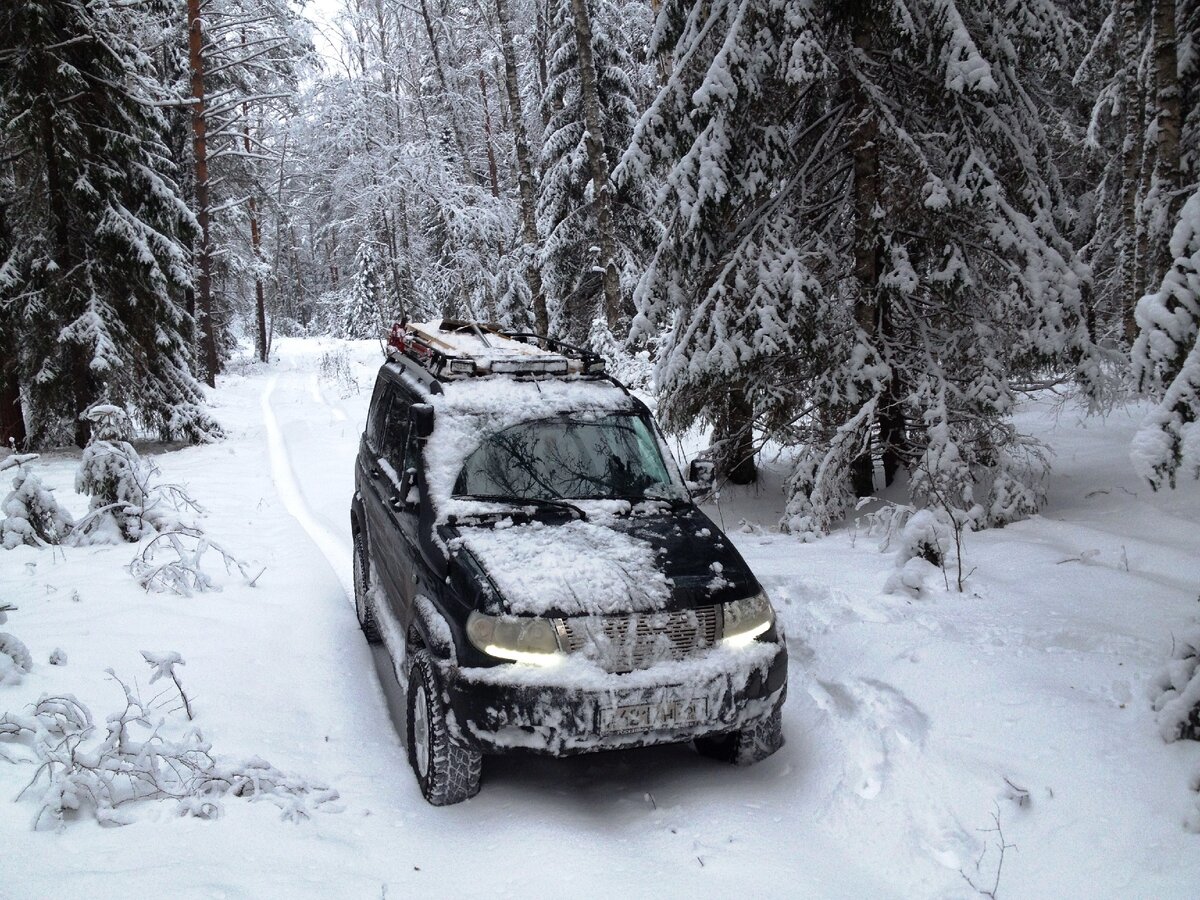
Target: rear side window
{"x": 394, "y": 432}
{"x": 378, "y": 413}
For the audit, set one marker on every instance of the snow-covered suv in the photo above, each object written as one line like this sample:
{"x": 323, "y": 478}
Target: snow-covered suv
{"x": 525, "y": 546}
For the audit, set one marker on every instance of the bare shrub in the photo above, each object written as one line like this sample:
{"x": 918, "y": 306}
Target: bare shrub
{"x": 140, "y": 756}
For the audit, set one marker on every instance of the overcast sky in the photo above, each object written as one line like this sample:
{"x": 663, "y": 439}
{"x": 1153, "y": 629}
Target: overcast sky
{"x": 321, "y": 13}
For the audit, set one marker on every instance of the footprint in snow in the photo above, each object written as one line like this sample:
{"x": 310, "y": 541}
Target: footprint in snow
{"x": 878, "y": 721}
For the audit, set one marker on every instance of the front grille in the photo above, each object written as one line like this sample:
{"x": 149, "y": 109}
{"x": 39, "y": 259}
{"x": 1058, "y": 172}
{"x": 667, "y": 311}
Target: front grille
{"x": 625, "y": 643}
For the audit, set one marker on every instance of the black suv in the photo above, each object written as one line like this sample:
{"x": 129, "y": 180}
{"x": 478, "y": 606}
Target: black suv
{"x": 525, "y": 546}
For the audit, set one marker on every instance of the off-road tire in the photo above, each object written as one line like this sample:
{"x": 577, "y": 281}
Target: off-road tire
{"x": 362, "y": 587}
{"x": 748, "y": 746}
{"x": 453, "y": 771}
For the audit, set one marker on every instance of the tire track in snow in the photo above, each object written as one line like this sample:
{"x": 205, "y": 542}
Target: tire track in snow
{"x": 333, "y": 548}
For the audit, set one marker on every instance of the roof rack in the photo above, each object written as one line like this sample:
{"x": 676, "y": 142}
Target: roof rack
{"x": 453, "y": 348}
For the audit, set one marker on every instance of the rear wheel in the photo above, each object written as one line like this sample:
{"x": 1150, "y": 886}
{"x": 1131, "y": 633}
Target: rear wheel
{"x": 362, "y": 587}
{"x": 748, "y": 746}
{"x": 446, "y": 772}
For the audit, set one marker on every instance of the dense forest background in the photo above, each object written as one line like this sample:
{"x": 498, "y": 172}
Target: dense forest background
{"x": 860, "y": 231}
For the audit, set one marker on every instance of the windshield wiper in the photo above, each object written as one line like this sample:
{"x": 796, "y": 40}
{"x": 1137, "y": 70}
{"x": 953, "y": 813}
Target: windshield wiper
{"x": 529, "y": 501}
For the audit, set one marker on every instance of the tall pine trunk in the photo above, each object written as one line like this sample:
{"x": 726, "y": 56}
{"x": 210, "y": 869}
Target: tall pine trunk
{"x": 1131, "y": 167}
{"x": 12, "y": 419}
{"x": 867, "y": 242}
{"x": 260, "y": 304}
{"x": 493, "y": 176}
{"x": 533, "y": 275}
{"x": 597, "y": 161}
{"x": 208, "y": 336}
{"x": 733, "y": 437}
{"x": 1167, "y": 96}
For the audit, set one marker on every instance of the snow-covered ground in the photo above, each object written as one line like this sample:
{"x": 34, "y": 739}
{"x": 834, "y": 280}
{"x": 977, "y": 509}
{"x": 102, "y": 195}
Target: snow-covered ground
{"x": 916, "y": 727}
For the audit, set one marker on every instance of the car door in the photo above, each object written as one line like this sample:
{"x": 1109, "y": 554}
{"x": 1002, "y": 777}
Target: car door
{"x": 381, "y": 480}
{"x": 401, "y": 453}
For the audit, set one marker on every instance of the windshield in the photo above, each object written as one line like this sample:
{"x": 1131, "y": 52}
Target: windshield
{"x": 600, "y": 457}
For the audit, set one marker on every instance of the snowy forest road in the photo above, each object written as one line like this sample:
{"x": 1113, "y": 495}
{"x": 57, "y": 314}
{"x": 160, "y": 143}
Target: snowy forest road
{"x": 910, "y": 721}
{"x": 336, "y": 549}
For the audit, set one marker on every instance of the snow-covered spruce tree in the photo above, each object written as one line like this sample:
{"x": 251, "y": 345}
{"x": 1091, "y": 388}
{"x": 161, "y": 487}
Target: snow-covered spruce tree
{"x": 31, "y": 514}
{"x": 1139, "y": 143}
{"x": 1166, "y": 360}
{"x": 113, "y": 474}
{"x": 15, "y": 660}
{"x": 97, "y": 269}
{"x": 365, "y": 301}
{"x": 863, "y": 240}
{"x": 1144, "y": 82}
{"x": 568, "y": 214}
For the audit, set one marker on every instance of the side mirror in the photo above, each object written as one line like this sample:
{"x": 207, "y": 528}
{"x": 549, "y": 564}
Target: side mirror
{"x": 422, "y": 418}
{"x": 702, "y": 473}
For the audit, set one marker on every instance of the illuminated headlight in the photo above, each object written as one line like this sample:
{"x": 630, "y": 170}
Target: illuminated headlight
{"x": 747, "y": 619}
{"x": 519, "y": 638}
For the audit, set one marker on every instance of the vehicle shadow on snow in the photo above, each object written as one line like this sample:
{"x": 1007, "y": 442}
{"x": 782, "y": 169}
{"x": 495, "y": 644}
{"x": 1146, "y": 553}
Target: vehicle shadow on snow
{"x": 596, "y": 782}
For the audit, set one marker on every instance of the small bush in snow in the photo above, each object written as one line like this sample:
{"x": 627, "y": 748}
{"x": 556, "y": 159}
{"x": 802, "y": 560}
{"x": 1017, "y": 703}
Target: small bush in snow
{"x": 140, "y": 756}
{"x": 14, "y": 656}
{"x": 115, "y": 477}
{"x": 31, "y": 514}
{"x": 127, "y": 504}
{"x": 171, "y": 563}
{"x": 926, "y": 543}
{"x": 1178, "y": 692}
{"x": 334, "y": 367}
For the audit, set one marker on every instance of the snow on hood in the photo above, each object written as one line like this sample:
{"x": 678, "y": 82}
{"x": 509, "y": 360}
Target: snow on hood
{"x": 577, "y": 568}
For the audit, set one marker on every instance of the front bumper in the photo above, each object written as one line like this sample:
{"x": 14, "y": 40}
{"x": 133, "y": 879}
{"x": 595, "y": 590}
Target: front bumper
{"x": 562, "y": 711}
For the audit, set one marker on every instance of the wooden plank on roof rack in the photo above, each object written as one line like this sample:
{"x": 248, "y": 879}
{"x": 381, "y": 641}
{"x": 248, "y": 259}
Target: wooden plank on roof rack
{"x": 432, "y": 338}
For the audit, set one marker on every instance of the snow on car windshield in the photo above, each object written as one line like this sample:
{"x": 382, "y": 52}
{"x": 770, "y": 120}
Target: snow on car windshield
{"x": 471, "y": 410}
{"x": 597, "y": 457}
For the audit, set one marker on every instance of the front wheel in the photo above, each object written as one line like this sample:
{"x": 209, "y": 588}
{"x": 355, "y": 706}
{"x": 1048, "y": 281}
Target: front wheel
{"x": 446, "y": 772}
{"x": 362, "y": 587}
{"x": 748, "y": 746}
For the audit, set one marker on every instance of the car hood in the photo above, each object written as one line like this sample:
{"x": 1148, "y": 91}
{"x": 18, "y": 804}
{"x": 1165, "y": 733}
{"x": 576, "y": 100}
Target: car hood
{"x": 663, "y": 559}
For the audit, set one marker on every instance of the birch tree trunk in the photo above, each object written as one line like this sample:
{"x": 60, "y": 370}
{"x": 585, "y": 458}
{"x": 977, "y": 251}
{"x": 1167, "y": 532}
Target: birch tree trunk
{"x": 533, "y": 275}
{"x": 598, "y": 162}
{"x": 448, "y": 103}
{"x": 208, "y": 337}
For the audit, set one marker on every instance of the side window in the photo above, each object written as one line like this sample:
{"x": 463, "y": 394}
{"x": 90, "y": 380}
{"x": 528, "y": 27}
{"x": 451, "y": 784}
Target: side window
{"x": 395, "y": 430}
{"x": 380, "y": 400}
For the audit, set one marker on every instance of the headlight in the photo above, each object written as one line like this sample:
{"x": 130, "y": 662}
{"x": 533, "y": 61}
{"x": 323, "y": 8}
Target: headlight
{"x": 747, "y": 619}
{"x": 519, "y": 638}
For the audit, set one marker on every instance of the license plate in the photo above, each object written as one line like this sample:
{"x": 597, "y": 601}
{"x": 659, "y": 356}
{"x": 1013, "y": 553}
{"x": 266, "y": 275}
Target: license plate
{"x": 653, "y": 716}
